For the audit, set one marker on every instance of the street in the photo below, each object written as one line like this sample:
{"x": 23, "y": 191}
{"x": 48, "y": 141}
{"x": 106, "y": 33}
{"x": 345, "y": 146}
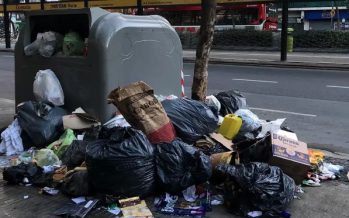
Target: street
{"x": 315, "y": 102}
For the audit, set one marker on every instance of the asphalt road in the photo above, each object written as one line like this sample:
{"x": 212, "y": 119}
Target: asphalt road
{"x": 315, "y": 102}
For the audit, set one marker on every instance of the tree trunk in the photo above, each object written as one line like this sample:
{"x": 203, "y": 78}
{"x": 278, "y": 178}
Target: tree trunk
{"x": 199, "y": 87}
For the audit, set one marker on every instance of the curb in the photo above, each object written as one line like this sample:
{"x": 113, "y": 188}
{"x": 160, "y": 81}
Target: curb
{"x": 303, "y": 65}
{"x": 7, "y": 50}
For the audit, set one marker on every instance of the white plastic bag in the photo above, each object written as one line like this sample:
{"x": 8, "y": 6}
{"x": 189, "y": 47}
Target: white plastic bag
{"x": 46, "y": 44}
{"x": 47, "y": 88}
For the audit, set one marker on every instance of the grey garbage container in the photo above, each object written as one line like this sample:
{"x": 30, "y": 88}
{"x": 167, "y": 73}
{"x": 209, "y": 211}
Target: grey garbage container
{"x": 121, "y": 49}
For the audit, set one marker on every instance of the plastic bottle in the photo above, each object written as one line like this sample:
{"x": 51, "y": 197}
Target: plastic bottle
{"x": 230, "y": 126}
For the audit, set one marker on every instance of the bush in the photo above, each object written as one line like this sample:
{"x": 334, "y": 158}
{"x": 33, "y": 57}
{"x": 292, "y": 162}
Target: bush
{"x": 231, "y": 38}
{"x": 321, "y": 39}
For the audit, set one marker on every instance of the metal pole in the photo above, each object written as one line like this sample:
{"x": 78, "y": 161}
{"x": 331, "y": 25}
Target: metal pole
{"x": 139, "y": 7}
{"x": 284, "y": 30}
{"x": 7, "y": 26}
{"x": 42, "y": 2}
{"x": 338, "y": 28}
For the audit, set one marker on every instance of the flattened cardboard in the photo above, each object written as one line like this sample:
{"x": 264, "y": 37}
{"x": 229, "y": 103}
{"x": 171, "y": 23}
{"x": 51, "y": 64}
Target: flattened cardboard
{"x": 79, "y": 119}
{"x": 221, "y": 139}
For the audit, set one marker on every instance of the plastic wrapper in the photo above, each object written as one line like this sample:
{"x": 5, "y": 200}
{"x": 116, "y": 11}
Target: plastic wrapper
{"x": 122, "y": 164}
{"x": 258, "y": 187}
{"x": 231, "y": 101}
{"x": 192, "y": 119}
{"x": 251, "y": 125}
{"x": 180, "y": 166}
{"x": 47, "y": 88}
{"x": 42, "y": 122}
{"x": 46, "y": 157}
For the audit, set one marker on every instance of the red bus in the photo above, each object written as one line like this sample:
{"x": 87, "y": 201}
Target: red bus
{"x": 246, "y": 16}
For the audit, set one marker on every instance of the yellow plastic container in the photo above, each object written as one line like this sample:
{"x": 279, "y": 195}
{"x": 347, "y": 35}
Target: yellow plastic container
{"x": 230, "y": 126}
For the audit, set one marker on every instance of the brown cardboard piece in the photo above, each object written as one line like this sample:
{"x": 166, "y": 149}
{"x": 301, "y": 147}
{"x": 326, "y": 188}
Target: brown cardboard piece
{"x": 79, "y": 119}
{"x": 291, "y": 156}
{"x": 221, "y": 139}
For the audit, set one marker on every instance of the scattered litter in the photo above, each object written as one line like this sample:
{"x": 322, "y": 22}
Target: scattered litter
{"x": 116, "y": 121}
{"x": 316, "y": 156}
{"x": 48, "y": 169}
{"x": 189, "y": 194}
{"x": 59, "y": 146}
{"x": 217, "y": 200}
{"x": 49, "y": 191}
{"x": 25, "y": 196}
{"x": 79, "y": 200}
{"x": 336, "y": 169}
{"x": 134, "y": 207}
{"x": 11, "y": 143}
{"x": 255, "y": 214}
{"x": 114, "y": 209}
{"x": 311, "y": 183}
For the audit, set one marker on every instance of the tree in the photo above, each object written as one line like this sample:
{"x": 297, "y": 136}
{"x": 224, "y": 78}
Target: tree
{"x": 199, "y": 87}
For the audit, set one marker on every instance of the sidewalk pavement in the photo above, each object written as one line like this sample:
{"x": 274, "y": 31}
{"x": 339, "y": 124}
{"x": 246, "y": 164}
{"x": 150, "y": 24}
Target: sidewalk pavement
{"x": 337, "y": 61}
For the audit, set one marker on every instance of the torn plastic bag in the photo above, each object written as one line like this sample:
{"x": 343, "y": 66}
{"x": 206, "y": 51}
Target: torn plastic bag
{"x": 46, "y": 157}
{"x": 255, "y": 150}
{"x": 231, "y": 101}
{"x": 251, "y": 125}
{"x": 180, "y": 165}
{"x": 123, "y": 164}
{"x": 42, "y": 122}
{"x": 47, "y": 88}
{"x": 259, "y": 187}
{"x": 270, "y": 126}
{"x": 192, "y": 119}
{"x": 75, "y": 154}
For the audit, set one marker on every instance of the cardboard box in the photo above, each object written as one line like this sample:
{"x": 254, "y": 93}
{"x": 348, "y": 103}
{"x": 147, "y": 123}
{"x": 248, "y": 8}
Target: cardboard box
{"x": 79, "y": 119}
{"x": 291, "y": 156}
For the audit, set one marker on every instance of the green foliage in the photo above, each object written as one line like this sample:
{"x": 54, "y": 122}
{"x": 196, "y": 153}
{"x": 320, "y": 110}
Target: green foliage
{"x": 321, "y": 39}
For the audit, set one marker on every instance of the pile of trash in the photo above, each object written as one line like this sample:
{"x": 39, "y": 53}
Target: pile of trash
{"x": 191, "y": 155}
{"x": 52, "y": 43}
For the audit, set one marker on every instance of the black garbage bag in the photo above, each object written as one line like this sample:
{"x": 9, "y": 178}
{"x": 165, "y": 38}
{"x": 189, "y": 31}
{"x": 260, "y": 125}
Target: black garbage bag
{"x": 15, "y": 175}
{"x": 75, "y": 183}
{"x": 180, "y": 165}
{"x": 123, "y": 164}
{"x": 258, "y": 187}
{"x": 42, "y": 122}
{"x": 192, "y": 119}
{"x": 231, "y": 101}
{"x": 255, "y": 150}
{"x": 75, "y": 154}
